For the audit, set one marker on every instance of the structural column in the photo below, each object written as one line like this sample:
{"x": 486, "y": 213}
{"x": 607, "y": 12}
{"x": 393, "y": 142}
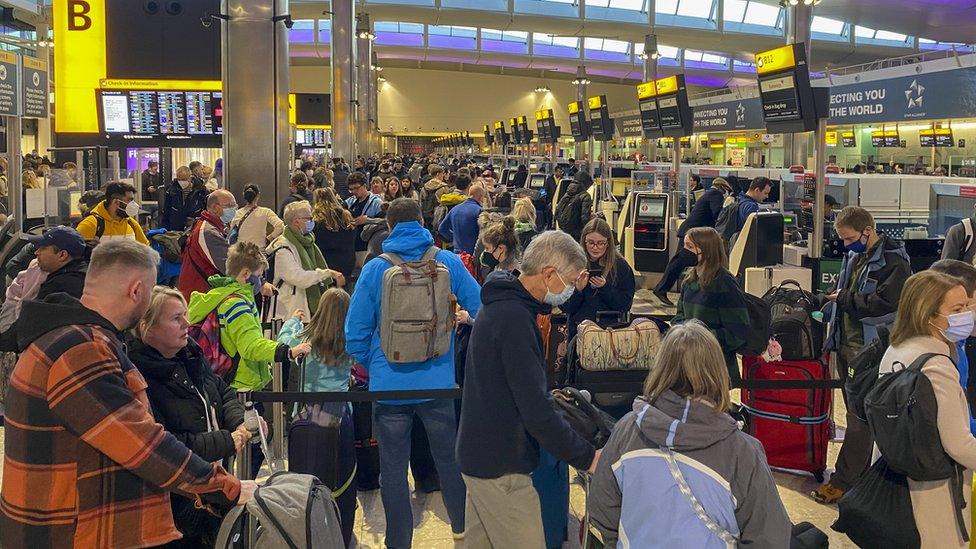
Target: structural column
{"x": 373, "y": 111}
{"x": 254, "y": 50}
{"x": 650, "y": 73}
{"x": 364, "y": 47}
{"x": 799, "y": 18}
{"x": 44, "y": 141}
{"x": 581, "y": 83}
{"x": 343, "y": 59}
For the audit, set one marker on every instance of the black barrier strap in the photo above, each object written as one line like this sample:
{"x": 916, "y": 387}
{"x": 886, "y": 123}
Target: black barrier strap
{"x": 354, "y": 396}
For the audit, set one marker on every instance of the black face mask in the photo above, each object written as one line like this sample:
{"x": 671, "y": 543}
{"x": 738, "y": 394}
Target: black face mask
{"x": 489, "y": 260}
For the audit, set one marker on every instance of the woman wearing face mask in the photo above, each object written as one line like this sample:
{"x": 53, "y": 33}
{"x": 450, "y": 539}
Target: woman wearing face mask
{"x": 711, "y": 295}
{"x": 609, "y": 284}
{"x": 301, "y": 273}
{"x": 933, "y": 315}
{"x": 184, "y": 200}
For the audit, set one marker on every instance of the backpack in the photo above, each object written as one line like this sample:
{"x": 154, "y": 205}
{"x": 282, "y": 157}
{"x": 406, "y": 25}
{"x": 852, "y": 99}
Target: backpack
{"x": 792, "y": 326}
{"x": 727, "y": 223}
{"x": 569, "y": 213}
{"x": 902, "y": 412}
{"x": 170, "y": 245}
{"x": 429, "y": 201}
{"x": 760, "y": 326}
{"x": 100, "y": 225}
{"x": 446, "y": 203}
{"x": 417, "y": 309}
{"x": 207, "y": 335}
{"x": 587, "y": 420}
{"x": 967, "y": 243}
{"x": 291, "y": 510}
{"x": 862, "y": 372}
{"x": 269, "y": 273}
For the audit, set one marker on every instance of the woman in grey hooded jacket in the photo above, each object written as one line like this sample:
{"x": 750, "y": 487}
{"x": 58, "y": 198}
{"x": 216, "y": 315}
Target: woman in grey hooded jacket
{"x": 679, "y": 450}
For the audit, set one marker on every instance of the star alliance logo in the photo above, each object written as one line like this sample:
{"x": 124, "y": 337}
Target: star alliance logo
{"x": 914, "y": 94}
{"x": 36, "y": 79}
{"x": 740, "y": 114}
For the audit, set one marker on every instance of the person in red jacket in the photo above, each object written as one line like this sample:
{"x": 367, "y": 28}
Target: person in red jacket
{"x": 206, "y": 246}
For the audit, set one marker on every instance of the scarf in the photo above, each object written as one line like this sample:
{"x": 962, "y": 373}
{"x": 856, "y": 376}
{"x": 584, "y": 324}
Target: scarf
{"x": 311, "y": 259}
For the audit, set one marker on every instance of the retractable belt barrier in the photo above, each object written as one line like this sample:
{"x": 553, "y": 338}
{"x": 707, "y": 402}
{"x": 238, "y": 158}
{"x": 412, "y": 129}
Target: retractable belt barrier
{"x": 751, "y": 384}
{"x": 352, "y": 396}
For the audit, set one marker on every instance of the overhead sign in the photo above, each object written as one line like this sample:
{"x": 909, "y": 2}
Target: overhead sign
{"x": 831, "y": 138}
{"x": 743, "y": 114}
{"x": 35, "y": 97}
{"x": 779, "y": 59}
{"x": 848, "y": 139}
{"x": 789, "y": 102}
{"x": 647, "y": 103}
{"x": 628, "y": 126}
{"x": 578, "y": 124}
{"x": 601, "y": 125}
{"x": 9, "y": 84}
{"x": 937, "y": 95}
{"x": 937, "y": 137}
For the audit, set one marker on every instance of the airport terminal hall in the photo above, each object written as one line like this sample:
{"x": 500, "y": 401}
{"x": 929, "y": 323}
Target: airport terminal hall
{"x": 487, "y": 274}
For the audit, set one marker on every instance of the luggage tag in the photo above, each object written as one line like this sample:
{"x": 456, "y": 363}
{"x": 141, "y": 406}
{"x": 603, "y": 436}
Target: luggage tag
{"x": 773, "y": 352}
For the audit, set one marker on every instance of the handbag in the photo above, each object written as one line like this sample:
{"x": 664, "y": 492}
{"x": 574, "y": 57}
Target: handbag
{"x": 632, "y": 347}
{"x": 876, "y": 513}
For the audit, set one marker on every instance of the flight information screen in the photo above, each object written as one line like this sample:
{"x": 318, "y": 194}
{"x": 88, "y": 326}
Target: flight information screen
{"x": 779, "y": 98}
{"x": 115, "y": 112}
{"x": 172, "y": 113}
{"x": 142, "y": 113}
{"x": 668, "y": 112}
{"x": 650, "y": 122}
{"x": 199, "y": 113}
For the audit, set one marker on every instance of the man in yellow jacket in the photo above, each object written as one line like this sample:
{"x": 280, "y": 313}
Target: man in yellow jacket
{"x": 115, "y": 217}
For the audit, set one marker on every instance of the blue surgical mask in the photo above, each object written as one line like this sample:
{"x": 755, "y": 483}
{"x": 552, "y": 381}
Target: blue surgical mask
{"x": 228, "y": 215}
{"x": 858, "y": 246}
{"x": 562, "y": 297}
{"x": 309, "y": 226}
{"x": 960, "y": 326}
{"x": 256, "y": 283}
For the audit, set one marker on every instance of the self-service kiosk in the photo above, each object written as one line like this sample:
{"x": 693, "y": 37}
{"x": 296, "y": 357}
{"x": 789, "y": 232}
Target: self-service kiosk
{"x": 643, "y": 231}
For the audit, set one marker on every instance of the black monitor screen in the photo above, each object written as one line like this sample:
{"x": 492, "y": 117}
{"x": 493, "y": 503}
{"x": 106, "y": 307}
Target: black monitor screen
{"x": 537, "y": 181}
{"x": 779, "y": 97}
{"x": 650, "y": 209}
{"x": 668, "y": 112}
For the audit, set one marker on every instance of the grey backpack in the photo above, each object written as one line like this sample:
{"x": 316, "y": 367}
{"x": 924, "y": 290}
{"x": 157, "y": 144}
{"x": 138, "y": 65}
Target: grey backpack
{"x": 417, "y": 309}
{"x": 291, "y": 510}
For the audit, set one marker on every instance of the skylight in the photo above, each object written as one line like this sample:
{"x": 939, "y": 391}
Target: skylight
{"x": 827, "y": 25}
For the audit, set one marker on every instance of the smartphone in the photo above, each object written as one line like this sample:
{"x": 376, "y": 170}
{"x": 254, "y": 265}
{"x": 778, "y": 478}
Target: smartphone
{"x": 594, "y": 272}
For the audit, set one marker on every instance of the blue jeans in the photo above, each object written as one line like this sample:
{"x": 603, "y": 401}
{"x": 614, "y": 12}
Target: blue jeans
{"x": 392, "y": 425}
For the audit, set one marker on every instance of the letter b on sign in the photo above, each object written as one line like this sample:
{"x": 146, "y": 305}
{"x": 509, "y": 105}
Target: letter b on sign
{"x": 78, "y": 19}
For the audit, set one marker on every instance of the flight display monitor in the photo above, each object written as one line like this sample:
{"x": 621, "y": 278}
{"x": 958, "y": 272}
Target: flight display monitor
{"x": 517, "y": 137}
{"x": 200, "y": 113}
{"x": 578, "y": 124}
{"x": 647, "y": 104}
{"x": 489, "y": 135}
{"x": 143, "y": 113}
{"x": 161, "y": 114}
{"x": 937, "y": 137}
{"x": 848, "y": 139}
{"x": 790, "y": 104}
{"x": 500, "y": 134}
{"x": 115, "y": 112}
{"x": 601, "y": 125}
{"x": 172, "y": 113}
{"x": 311, "y": 138}
{"x": 651, "y": 209}
{"x": 673, "y": 110}
{"x": 523, "y": 124}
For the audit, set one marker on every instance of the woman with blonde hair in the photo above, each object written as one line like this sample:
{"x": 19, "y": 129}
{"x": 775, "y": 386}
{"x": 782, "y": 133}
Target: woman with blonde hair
{"x": 31, "y": 181}
{"x": 525, "y": 220}
{"x": 712, "y": 295}
{"x": 679, "y": 449}
{"x": 335, "y": 231}
{"x": 933, "y": 315}
{"x": 321, "y": 437}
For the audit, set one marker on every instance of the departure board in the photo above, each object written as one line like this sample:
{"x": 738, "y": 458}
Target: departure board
{"x": 669, "y": 114}
{"x": 650, "y": 123}
{"x": 172, "y": 113}
{"x": 779, "y": 98}
{"x": 939, "y": 137}
{"x": 142, "y": 113}
{"x": 217, "y": 111}
{"x": 115, "y": 112}
{"x": 199, "y": 113}
{"x": 848, "y": 139}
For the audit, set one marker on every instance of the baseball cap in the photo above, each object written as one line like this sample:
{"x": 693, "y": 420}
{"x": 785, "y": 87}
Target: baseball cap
{"x": 64, "y": 238}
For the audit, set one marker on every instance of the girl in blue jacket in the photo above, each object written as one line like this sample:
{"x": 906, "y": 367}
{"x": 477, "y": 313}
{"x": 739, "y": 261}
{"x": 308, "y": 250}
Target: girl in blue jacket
{"x": 320, "y": 426}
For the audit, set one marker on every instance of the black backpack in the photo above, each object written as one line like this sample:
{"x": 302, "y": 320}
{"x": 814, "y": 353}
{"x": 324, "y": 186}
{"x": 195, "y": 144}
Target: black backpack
{"x": 792, "y": 326}
{"x": 727, "y": 223}
{"x": 760, "y": 326}
{"x": 587, "y": 420}
{"x": 862, "y": 372}
{"x": 569, "y": 213}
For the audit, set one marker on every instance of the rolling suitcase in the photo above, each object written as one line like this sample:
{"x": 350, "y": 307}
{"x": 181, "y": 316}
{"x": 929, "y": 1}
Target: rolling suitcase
{"x": 793, "y": 425}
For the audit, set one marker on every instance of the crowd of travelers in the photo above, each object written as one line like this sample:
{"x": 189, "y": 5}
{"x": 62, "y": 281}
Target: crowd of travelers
{"x": 122, "y": 411}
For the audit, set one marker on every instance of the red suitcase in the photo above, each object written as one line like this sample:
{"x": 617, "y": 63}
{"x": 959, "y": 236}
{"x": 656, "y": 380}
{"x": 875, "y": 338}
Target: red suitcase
{"x": 792, "y": 424}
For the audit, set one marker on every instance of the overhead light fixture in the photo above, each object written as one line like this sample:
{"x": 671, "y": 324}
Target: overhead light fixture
{"x": 650, "y": 47}
{"x": 362, "y": 27}
{"x": 581, "y": 79}
{"x": 366, "y": 35}
{"x": 380, "y": 79}
{"x": 376, "y": 68}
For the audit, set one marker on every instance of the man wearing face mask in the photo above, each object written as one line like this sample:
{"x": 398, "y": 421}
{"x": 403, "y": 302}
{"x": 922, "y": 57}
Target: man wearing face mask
{"x": 301, "y": 273}
{"x": 866, "y": 296}
{"x": 114, "y": 217}
{"x": 506, "y": 406}
{"x": 75, "y": 388}
{"x": 184, "y": 200}
{"x": 206, "y": 245}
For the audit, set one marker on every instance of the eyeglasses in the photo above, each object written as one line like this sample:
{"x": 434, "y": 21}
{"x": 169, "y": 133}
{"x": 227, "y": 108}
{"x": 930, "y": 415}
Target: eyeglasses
{"x": 595, "y": 244}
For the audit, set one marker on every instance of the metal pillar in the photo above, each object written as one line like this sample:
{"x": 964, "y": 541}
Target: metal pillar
{"x": 44, "y": 136}
{"x": 343, "y": 59}
{"x": 816, "y": 243}
{"x": 374, "y": 97}
{"x": 363, "y": 77}
{"x": 799, "y": 18}
{"x": 15, "y": 182}
{"x": 582, "y": 82}
{"x": 650, "y": 73}
{"x": 254, "y": 50}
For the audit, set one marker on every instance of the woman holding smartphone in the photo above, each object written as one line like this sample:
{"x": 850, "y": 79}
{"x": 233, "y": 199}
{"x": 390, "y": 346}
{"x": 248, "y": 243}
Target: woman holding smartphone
{"x": 608, "y": 285}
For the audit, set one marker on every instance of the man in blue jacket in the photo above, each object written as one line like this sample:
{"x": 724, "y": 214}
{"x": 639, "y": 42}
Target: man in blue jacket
{"x": 506, "y": 413}
{"x": 460, "y": 225}
{"x": 749, "y": 200}
{"x": 392, "y": 420}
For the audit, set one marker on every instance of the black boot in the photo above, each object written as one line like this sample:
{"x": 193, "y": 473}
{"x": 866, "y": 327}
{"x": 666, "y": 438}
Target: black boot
{"x": 663, "y": 298}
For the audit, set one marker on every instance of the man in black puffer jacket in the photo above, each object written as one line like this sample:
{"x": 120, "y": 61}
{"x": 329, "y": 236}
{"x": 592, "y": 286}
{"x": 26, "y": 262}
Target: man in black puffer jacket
{"x": 188, "y": 399}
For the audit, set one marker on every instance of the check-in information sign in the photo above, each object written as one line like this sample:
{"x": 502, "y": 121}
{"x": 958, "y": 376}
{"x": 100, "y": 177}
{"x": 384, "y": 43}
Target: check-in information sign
{"x": 9, "y": 85}
{"x": 35, "y": 88}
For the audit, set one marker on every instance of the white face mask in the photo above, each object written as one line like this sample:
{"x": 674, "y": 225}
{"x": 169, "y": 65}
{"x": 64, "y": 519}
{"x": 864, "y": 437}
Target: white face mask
{"x": 183, "y": 184}
{"x": 562, "y": 297}
{"x": 132, "y": 208}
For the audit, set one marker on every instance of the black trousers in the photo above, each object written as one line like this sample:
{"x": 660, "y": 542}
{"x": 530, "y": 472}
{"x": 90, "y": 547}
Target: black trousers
{"x": 676, "y": 265}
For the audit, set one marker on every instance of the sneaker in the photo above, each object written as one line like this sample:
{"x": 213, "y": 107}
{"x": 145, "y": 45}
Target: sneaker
{"x": 663, "y": 298}
{"x": 827, "y": 494}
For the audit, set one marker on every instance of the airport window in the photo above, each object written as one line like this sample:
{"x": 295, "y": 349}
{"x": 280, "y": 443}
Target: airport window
{"x": 302, "y": 32}
{"x": 549, "y": 8}
{"x": 491, "y": 5}
{"x": 888, "y": 35}
{"x": 705, "y": 60}
{"x": 325, "y": 31}
{"x": 604, "y": 49}
{"x": 762, "y": 14}
{"x": 555, "y": 46}
{"x": 735, "y": 10}
{"x": 445, "y": 36}
{"x": 392, "y": 33}
{"x": 633, "y": 5}
{"x": 695, "y": 8}
{"x": 927, "y": 44}
{"x": 685, "y": 13}
{"x": 826, "y": 25}
{"x": 504, "y": 41}
{"x": 667, "y": 7}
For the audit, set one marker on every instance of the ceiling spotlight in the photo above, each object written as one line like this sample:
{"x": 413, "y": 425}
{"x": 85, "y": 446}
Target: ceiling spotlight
{"x": 581, "y": 81}
{"x": 366, "y": 35}
{"x": 376, "y": 68}
{"x": 542, "y": 89}
{"x": 380, "y": 79}
{"x": 811, "y": 2}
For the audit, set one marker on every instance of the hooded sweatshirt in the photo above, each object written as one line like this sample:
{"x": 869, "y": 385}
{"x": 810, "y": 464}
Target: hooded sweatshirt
{"x": 634, "y": 497}
{"x": 241, "y": 335}
{"x": 85, "y": 462}
{"x": 410, "y": 241}
{"x": 506, "y": 412}
{"x": 114, "y": 227}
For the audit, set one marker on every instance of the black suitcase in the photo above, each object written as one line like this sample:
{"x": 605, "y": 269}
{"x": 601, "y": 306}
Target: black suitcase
{"x": 367, "y": 449}
{"x": 792, "y": 324}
